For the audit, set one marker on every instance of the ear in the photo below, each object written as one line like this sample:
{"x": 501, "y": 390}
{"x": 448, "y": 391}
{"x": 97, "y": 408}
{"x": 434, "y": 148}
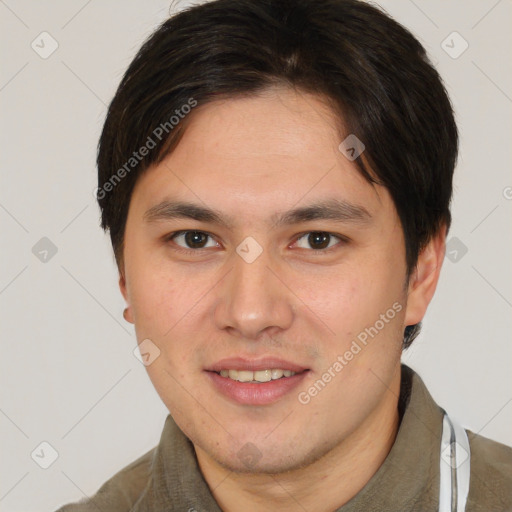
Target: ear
{"x": 124, "y": 291}
{"x": 424, "y": 278}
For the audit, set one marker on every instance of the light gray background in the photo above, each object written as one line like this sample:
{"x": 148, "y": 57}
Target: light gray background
{"x": 69, "y": 376}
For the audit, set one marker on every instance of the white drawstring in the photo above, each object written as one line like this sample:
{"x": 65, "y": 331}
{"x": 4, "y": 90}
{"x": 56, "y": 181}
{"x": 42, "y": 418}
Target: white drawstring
{"x": 454, "y": 470}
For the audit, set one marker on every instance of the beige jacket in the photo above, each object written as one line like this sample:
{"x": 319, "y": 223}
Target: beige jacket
{"x": 167, "y": 478}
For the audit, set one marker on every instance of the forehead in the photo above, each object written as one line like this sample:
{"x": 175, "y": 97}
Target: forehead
{"x": 275, "y": 148}
{"x": 277, "y": 122}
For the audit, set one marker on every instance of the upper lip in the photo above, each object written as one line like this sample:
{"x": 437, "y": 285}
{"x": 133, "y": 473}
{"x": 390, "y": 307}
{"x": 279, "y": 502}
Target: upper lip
{"x": 264, "y": 363}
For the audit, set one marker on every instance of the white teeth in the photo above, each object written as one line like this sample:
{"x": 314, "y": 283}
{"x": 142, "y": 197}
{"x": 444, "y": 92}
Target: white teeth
{"x": 277, "y": 374}
{"x": 263, "y": 375}
{"x": 244, "y": 376}
{"x": 257, "y": 376}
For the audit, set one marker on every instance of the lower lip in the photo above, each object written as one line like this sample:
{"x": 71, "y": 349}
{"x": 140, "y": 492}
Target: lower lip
{"x": 249, "y": 393}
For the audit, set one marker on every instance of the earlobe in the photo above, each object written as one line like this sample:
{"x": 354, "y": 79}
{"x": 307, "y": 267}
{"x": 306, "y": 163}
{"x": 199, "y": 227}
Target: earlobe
{"x": 127, "y": 315}
{"x": 424, "y": 278}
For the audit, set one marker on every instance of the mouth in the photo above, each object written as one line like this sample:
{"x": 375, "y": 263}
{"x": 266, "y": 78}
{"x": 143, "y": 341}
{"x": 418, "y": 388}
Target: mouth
{"x": 255, "y": 382}
{"x": 258, "y": 376}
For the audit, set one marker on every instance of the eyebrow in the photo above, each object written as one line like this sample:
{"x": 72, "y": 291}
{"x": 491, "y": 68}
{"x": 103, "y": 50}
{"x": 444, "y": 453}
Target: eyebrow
{"x": 169, "y": 210}
{"x": 330, "y": 209}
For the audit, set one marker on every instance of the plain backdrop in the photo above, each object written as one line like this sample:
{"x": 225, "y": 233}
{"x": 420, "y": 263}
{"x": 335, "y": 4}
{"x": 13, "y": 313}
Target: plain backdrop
{"x": 69, "y": 376}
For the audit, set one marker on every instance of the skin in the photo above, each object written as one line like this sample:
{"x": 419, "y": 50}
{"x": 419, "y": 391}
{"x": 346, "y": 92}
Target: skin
{"x": 249, "y": 159}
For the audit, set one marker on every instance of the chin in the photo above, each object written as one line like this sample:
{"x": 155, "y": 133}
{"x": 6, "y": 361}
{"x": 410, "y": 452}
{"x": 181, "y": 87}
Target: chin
{"x": 256, "y": 463}
{"x": 248, "y": 455}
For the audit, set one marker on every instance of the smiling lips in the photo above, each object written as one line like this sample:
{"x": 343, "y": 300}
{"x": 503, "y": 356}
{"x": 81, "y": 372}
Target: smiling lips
{"x": 265, "y": 369}
{"x": 257, "y": 376}
{"x": 255, "y": 382}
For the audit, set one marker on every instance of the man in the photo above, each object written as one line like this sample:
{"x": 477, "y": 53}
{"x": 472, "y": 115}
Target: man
{"x": 276, "y": 178}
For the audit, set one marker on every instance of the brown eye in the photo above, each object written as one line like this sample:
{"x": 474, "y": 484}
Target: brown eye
{"x": 193, "y": 240}
{"x": 317, "y": 240}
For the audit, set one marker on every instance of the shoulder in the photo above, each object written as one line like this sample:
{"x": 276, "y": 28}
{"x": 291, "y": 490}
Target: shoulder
{"x": 491, "y": 475}
{"x": 119, "y": 493}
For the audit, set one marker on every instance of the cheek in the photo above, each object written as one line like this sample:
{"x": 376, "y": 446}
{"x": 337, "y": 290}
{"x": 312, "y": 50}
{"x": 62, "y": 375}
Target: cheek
{"x": 352, "y": 298}
{"x": 154, "y": 300}
{"x": 341, "y": 297}
{"x": 165, "y": 306}
{"x": 157, "y": 292}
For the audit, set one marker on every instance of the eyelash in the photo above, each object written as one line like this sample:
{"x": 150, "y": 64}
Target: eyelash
{"x": 170, "y": 237}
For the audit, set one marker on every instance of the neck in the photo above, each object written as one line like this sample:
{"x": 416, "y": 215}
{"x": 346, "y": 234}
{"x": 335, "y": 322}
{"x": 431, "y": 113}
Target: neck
{"x": 337, "y": 477}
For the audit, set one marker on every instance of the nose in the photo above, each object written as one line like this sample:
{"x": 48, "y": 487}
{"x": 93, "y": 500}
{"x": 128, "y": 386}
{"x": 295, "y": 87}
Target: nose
{"x": 253, "y": 300}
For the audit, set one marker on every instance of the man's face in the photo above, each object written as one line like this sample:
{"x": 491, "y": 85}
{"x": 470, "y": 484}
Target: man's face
{"x": 264, "y": 291}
